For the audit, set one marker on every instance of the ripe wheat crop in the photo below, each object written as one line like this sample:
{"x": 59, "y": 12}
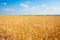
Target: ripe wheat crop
{"x": 29, "y": 27}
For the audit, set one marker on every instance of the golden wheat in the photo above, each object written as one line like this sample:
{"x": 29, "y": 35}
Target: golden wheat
{"x": 29, "y": 27}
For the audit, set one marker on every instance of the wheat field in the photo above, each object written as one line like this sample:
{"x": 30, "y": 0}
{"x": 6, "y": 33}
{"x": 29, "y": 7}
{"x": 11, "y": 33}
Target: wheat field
{"x": 29, "y": 27}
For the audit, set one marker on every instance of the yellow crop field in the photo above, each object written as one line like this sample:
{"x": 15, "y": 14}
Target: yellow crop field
{"x": 29, "y": 27}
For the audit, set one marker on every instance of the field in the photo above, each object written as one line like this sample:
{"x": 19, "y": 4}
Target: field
{"x": 29, "y": 27}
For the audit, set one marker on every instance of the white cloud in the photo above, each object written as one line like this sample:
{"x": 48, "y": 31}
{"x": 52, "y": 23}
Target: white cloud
{"x": 34, "y": 8}
{"x": 28, "y": 7}
{"x": 28, "y": 2}
{"x": 8, "y": 9}
{"x": 24, "y": 5}
{"x": 4, "y": 3}
{"x": 43, "y": 9}
{"x": 56, "y": 8}
{"x": 44, "y": 5}
{"x": 48, "y": 8}
{"x": 53, "y": 8}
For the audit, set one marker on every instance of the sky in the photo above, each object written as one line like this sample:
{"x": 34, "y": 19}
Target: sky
{"x": 29, "y": 7}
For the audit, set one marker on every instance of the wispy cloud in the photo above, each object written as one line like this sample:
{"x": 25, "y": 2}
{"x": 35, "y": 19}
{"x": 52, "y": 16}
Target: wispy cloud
{"x": 28, "y": 2}
{"x": 44, "y": 5}
{"x": 33, "y": 8}
{"x": 24, "y": 5}
{"x": 8, "y": 9}
{"x": 4, "y": 3}
{"x": 56, "y": 8}
{"x": 43, "y": 9}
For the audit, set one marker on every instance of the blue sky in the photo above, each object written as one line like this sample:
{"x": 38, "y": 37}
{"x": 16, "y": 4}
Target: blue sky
{"x": 29, "y": 7}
